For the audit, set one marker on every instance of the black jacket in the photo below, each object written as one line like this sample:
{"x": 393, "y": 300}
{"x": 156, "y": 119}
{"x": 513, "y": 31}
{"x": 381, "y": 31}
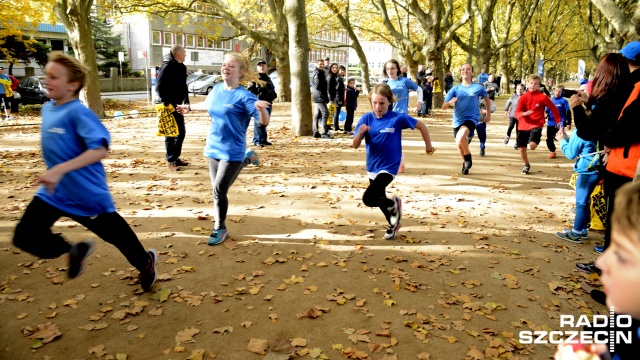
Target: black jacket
{"x": 171, "y": 83}
{"x": 266, "y": 92}
{"x": 625, "y": 131}
{"x": 319, "y": 89}
{"x": 336, "y": 89}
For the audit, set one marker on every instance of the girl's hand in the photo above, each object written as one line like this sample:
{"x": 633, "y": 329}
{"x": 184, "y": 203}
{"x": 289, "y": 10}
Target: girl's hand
{"x": 418, "y": 106}
{"x": 261, "y": 104}
{"x": 575, "y": 100}
{"x": 453, "y": 101}
{"x": 560, "y": 134}
{"x": 363, "y": 129}
{"x": 50, "y": 179}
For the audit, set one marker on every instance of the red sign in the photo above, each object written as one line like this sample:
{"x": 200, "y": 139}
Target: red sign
{"x": 237, "y": 47}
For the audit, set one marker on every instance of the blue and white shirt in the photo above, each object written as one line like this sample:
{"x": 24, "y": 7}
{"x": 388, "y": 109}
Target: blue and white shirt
{"x": 230, "y": 111}
{"x": 400, "y": 89}
{"x": 384, "y": 141}
{"x": 68, "y": 131}
{"x": 466, "y": 107}
{"x": 563, "y": 106}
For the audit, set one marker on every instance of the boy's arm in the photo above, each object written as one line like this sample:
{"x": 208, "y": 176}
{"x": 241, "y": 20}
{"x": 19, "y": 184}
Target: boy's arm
{"x": 521, "y": 110}
{"x": 425, "y": 136}
{"x": 52, "y": 176}
{"x": 554, "y": 109}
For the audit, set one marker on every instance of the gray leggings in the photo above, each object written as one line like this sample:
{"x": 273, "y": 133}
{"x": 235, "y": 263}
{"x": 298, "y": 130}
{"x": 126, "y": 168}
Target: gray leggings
{"x": 223, "y": 174}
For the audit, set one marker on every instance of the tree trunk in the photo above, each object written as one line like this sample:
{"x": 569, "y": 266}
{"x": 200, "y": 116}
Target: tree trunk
{"x": 503, "y": 68}
{"x": 284, "y": 74}
{"x": 435, "y": 59}
{"x": 301, "y": 113}
{"x": 519, "y": 55}
{"x": 74, "y": 14}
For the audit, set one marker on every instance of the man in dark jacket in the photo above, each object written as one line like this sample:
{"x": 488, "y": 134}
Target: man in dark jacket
{"x": 320, "y": 98}
{"x": 266, "y": 92}
{"x": 171, "y": 88}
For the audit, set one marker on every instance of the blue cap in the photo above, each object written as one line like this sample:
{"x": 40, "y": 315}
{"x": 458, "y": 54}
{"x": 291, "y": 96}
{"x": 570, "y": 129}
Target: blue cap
{"x": 631, "y": 51}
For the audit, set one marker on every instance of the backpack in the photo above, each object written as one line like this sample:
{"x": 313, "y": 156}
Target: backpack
{"x": 14, "y": 82}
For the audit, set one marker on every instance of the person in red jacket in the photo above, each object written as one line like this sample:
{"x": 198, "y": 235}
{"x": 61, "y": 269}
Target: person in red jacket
{"x": 530, "y": 115}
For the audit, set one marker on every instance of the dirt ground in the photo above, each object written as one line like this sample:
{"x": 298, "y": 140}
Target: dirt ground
{"x": 306, "y": 272}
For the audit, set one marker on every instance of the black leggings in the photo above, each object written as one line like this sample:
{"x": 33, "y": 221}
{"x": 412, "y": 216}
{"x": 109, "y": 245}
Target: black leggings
{"x": 551, "y": 137}
{"x": 375, "y": 195}
{"x": 513, "y": 122}
{"x": 33, "y": 233}
{"x": 612, "y": 182}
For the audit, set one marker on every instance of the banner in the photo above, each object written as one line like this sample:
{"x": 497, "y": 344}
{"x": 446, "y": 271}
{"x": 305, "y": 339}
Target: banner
{"x": 581, "y": 67}
{"x": 540, "y": 67}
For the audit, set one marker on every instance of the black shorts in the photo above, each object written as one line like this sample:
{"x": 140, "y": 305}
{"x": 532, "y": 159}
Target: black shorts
{"x": 7, "y": 100}
{"x": 527, "y": 136}
{"x": 469, "y": 124}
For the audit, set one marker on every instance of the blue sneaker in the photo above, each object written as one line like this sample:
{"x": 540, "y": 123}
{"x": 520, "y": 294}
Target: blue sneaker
{"x": 573, "y": 236}
{"x": 218, "y": 236}
{"x": 252, "y": 156}
{"x": 599, "y": 249}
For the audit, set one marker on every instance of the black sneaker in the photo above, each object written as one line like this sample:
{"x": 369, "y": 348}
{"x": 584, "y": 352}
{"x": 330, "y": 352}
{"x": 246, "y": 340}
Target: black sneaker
{"x": 599, "y": 296}
{"x": 265, "y": 143}
{"x": 181, "y": 163}
{"x": 481, "y": 152}
{"x": 392, "y": 231}
{"x": 588, "y": 268}
{"x": 526, "y": 168}
{"x": 326, "y": 136}
{"x": 77, "y": 256}
{"x": 316, "y": 135}
{"x": 150, "y": 274}
{"x": 465, "y": 167}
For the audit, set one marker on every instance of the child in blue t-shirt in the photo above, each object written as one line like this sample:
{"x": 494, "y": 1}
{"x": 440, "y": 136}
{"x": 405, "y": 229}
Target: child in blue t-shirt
{"x": 75, "y": 185}
{"x": 231, "y": 107}
{"x": 554, "y": 124}
{"x": 381, "y": 130}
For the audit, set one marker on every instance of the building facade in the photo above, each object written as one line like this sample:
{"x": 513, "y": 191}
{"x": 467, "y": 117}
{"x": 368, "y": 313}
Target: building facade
{"x": 377, "y": 53}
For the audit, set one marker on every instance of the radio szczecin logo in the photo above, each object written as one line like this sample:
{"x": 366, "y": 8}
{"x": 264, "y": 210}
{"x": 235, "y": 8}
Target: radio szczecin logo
{"x": 611, "y": 330}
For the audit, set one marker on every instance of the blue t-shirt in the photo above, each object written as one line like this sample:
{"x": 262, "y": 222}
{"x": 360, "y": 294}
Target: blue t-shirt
{"x": 231, "y": 112}
{"x": 384, "y": 141}
{"x": 400, "y": 89}
{"x": 4, "y": 77}
{"x": 563, "y": 106}
{"x": 466, "y": 107}
{"x": 68, "y": 131}
{"x": 483, "y": 78}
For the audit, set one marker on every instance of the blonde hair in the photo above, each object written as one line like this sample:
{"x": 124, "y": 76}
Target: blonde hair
{"x": 76, "y": 72}
{"x": 248, "y": 74}
{"x": 384, "y": 90}
{"x": 627, "y": 211}
{"x": 535, "y": 77}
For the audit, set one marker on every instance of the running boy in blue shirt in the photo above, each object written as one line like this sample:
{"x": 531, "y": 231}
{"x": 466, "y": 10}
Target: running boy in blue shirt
{"x": 381, "y": 130}
{"x": 75, "y": 183}
{"x": 552, "y": 124}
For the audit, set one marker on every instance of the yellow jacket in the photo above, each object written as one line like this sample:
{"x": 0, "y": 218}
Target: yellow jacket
{"x": 7, "y": 87}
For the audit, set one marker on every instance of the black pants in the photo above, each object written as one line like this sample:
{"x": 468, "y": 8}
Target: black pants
{"x": 513, "y": 122}
{"x": 375, "y": 195}
{"x": 33, "y": 233}
{"x": 174, "y": 144}
{"x": 612, "y": 182}
{"x": 348, "y": 123}
{"x": 551, "y": 138}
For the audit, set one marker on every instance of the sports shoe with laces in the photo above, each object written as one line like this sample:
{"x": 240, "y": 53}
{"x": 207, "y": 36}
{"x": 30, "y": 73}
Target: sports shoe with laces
{"x": 392, "y": 231}
{"x": 515, "y": 146}
{"x": 588, "y": 268}
{"x": 252, "y": 156}
{"x": 506, "y": 140}
{"x": 573, "y": 236}
{"x": 182, "y": 163}
{"x": 526, "y": 168}
{"x": 552, "y": 155}
{"x": 77, "y": 256}
{"x": 396, "y": 211}
{"x": 599, "y": 249}
{"x": 218, "y": 236}
{"x": 149, "y": 275}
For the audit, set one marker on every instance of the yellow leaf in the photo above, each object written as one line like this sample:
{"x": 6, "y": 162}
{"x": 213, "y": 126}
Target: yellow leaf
{"x": 338, "y": 347}
{"x": 389, "y": 302}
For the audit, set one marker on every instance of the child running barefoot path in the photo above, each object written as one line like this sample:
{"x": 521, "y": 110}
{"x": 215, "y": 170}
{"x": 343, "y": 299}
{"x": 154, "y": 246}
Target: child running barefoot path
{"x": 231, "y": 107}
{"x": 381, "y": 130}
{"x": 75, "y": 185}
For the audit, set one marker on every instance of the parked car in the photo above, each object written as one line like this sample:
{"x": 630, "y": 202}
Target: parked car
{"x": 194, "y": 77}
{"x": 205, "y": 84}
{"x": 32, "y": 90}
{"x": 276, "y": 80}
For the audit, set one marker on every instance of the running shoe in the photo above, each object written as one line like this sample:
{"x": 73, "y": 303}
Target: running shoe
{"x": 150, "y": 274}
{"x": 526, "y": 168}
{"x": 572, "y": 236}
{"x": 392, "y": 231}
{"x": 218, "y": 236}
{"x": 396, "y": 211}
{"x": 599, "y": 249}
{"x": 252, "y": 156}
{"x": 588, "y": 268}
{"x": 77, "y": 258}
{"x": 506, "y": 140}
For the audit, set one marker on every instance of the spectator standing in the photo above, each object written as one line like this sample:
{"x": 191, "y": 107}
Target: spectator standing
{"x": 321, "y": 99}
{"x": 6, "y": 92}
{"x": 327, "y": 66}
{"x": 403, "y": 71}
{"x": 336, "y": 94}
{"x": 422, "y": 73}
{"x": 553, "y": 124}
{"x": 448, "y": 82}
{"x": 427, "y": 97}
{"x": 530, "y": 115}
{"x": 466, "y": 113}
{"x": 266, "y": 92}
{"x": 351, "y": 104}
{"x": 171, "y": 89}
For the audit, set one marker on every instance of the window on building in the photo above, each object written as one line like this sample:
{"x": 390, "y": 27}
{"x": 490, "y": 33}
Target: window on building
{"x": 191, "y": 40}
{"x": 156, "y": 38}
{"x": 180, "y": 39}
{"x": 57, "y": 45}
{"x": 198, "y": 6}
{"x": 168, "y": 38}
{"x": 211, "y": 44}
{"x": 200, "y": 41}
